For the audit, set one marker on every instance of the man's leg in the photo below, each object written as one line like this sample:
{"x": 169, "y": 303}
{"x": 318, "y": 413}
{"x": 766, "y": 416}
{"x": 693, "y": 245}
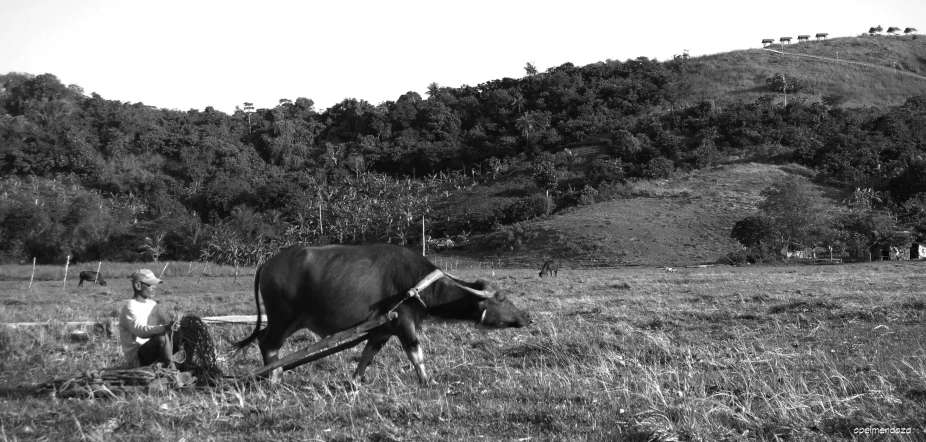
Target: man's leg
{"x": 157, "y": 349}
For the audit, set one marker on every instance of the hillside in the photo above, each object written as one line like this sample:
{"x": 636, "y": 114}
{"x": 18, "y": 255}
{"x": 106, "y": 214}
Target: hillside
{"x": 85, "y": 178}
{"x": 740, "y": 75}
{"x": 685, "y": 220}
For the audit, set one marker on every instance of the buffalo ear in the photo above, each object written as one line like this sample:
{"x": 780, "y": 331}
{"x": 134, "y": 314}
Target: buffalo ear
{"x": 501, "y": 296}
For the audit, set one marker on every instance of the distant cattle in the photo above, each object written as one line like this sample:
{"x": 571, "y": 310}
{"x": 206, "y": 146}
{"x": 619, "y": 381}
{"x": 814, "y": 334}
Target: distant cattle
{"x": 91, "y": 276}
{"x": 550, "y": 267}
{"x": 670, "y": 269}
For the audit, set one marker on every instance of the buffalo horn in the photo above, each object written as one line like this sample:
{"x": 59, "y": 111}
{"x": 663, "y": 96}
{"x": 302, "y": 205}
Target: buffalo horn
{"x": 460, "y": 283}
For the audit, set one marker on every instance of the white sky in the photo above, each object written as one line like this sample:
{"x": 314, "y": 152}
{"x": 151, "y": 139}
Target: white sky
{"x": 192, "y": 54}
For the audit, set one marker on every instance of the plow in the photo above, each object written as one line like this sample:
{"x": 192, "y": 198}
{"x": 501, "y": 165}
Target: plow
{"x": 198, "y": 358}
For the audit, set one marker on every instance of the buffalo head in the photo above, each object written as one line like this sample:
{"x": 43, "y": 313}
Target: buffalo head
{"x": 495, "y": 309}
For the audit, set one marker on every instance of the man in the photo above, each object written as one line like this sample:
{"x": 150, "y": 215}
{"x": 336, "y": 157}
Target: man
{"x": 143, "y": 326}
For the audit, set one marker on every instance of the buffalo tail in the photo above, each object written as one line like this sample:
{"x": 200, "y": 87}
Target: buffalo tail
{"x": 248, "y": 340}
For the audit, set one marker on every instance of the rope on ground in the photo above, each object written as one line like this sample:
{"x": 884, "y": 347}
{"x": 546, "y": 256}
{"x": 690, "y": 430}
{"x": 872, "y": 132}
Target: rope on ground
{"x": 113, "y": 383}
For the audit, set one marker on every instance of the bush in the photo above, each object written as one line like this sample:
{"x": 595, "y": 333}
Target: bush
{"x": 613, "y": 191}
{"x": 780, "y": 83}
{"x": 658, "y": 168}
{"x": 526, "y": 208}
{"x": 588, "y": 196}
{"x": 606, "y": 171}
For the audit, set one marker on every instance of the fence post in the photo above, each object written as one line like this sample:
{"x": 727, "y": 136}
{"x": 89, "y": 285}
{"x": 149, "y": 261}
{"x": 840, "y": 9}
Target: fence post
{"x": 202, "y": 273}
{"x": 66, "y": 265}
{"x": 98, "y": 267}
{"x": 33, "y": 274}
{"x": 162, "y": 270}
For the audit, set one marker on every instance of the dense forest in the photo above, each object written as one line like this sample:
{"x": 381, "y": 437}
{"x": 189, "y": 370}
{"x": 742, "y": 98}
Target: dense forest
{"x": 101, "y": 179}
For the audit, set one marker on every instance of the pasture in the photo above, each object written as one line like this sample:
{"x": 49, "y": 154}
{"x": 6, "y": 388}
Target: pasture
{"x": 720, "y": 353}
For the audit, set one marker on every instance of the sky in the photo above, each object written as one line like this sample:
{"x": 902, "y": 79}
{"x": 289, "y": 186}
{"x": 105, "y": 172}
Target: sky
{"x": 191, "y": 54}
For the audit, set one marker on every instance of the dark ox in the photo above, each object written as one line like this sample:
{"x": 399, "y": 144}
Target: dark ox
{"x": 550, "y": 267}
{"x": 333, "y": 288}
{"x": 91, "y": 276}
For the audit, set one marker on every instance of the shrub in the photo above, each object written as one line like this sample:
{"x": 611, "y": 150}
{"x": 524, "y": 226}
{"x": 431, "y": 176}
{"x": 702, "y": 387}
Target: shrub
{"x": 606, "y": 171}
{"x": 780, "y": 83}
{"x": 588, "y": 196}
{"x": 658, "y": 168}
{"x": 526, "y": 208}
{"x": 613, "y": 191}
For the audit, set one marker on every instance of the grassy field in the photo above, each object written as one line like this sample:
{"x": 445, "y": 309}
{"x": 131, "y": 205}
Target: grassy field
{"x": 740, "y": 75}
{"x": 719, "y": 353}
{"x": 681, "y": 221}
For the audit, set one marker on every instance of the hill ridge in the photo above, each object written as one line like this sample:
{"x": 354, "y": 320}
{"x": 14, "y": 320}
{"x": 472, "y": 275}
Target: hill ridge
{"x": 858, "y": 63}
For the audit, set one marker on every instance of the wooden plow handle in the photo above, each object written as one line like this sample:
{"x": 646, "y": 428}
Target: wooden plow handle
{"x": 332, "y": 344}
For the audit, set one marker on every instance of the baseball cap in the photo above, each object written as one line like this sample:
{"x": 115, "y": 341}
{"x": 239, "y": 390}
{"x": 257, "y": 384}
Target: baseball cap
{"x": 146, "y": 276}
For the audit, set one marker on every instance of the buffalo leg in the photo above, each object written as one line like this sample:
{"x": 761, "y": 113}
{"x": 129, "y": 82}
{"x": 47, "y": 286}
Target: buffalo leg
{"x": 271, "y": 341}
{"x": 412, "y": 347}
{"x": 373, "y": 346}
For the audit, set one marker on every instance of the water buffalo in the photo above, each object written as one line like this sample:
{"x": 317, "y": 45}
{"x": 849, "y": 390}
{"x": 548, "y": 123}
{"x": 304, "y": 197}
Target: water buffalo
{"x": 88, "y": 275}
{"x": 333, "y": 288}
{"x": 550, "y": 267}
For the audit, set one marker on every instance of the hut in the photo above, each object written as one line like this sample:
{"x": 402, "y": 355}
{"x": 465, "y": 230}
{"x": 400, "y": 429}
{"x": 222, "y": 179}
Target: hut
{"x": 917, "y": 251}
{"x": 801, "y": 38}
{"x": 767, "y": 41}
{"x": 785, "y": 40}
{"x": 822, "y": 35}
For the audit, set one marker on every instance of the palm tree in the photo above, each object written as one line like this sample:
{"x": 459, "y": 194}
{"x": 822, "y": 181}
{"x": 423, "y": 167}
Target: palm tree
{"x": 433, "y": 89}
{"x": 531, "y": 69}
{"x": 526, "y": 125}
{"x": 517, "y": 101}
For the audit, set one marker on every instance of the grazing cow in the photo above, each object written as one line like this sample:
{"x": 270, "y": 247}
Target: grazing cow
{"x": 88, "y": 275}
{"x": 333, "y": 288}
{"x": 550, "y": 267}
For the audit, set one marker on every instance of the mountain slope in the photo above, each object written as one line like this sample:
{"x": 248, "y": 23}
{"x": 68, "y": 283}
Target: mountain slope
{"x": 740, "y": 75}
{"x": 683, "y": 221}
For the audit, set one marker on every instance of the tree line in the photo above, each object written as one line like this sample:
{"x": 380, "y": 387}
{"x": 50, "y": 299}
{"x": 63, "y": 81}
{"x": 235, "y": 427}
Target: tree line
{"x": 102, "y": 179}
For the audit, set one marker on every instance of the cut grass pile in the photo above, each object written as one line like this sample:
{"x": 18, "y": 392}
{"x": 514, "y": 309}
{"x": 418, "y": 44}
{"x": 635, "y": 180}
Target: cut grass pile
{"x": 720, "y": 353}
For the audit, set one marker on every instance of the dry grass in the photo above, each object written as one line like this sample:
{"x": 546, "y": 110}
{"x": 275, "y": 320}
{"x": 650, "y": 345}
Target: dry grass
{"x": 722, "y": 353}
{"x": 740, "y": 75}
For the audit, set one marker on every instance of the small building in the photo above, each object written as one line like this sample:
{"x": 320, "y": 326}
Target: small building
{"x": 801, "y": 38}
{"x": 767, "y": 41}
{"x": 785, "y": 40}
{"x": 917, "y": 251}
{"x": 822, "y": 35}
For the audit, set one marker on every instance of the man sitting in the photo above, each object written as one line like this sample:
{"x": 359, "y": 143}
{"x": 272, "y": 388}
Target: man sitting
{"x": 143, "y": 326}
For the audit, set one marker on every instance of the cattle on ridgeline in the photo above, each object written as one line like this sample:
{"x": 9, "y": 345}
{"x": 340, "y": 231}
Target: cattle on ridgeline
{"x": 91, "y": 276}
{"x": 549, "y": 267}
{"x": 334, "y": 288}
{"x": 822, "y": 35}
